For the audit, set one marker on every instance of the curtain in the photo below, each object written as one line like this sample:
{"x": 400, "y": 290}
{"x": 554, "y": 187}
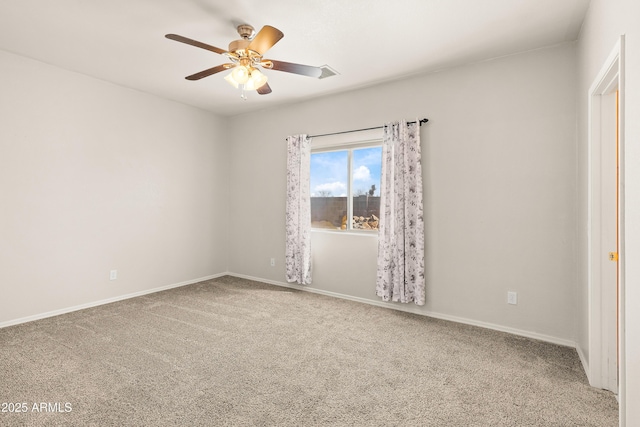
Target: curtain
{"x": 400, "y": 274}
{"x": 298, "y": 210}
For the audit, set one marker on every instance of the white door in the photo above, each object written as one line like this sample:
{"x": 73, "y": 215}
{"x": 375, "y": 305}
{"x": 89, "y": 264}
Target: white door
{"x": 609, "y": 235}
{"x": 606, "y": 226}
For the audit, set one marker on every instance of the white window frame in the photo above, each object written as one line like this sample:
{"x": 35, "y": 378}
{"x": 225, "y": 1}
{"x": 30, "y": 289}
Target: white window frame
{"x": 348, "y": 147}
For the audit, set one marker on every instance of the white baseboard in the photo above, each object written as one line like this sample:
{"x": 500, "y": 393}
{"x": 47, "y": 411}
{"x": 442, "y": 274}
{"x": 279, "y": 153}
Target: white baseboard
{"x": 583, "y": 360}
{"x": 394, "y": 306}
{"x": 105, "y": 301}
{"x": 410, "y": 308}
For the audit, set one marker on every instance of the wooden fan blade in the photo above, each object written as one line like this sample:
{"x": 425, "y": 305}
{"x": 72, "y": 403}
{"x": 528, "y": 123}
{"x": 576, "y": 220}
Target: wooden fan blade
{"x": 304, "y": 70}
{"x": 265, "y": 39}
{"x": 195, "y": 43}
{"x": 208, "y": 72}
{"x": 264, "y": 89}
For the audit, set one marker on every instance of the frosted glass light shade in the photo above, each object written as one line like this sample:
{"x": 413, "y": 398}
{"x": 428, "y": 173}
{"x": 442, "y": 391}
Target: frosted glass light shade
{"x": 253, "y": 79}
{"x": 257, "y": 78}
{"x": 231, "y": 81}
{"x": 240, "y": 74}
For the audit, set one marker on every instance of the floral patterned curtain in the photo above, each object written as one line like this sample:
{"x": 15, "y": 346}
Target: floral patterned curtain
{"x": 298, "y": 210}
{"x": 400, "y": 275}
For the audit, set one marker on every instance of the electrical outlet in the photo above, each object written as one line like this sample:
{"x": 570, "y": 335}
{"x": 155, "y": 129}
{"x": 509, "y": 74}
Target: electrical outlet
{"x": 273, "y": 262}
{"x": 512, "y": 298}
{"x": 113, "y": 274}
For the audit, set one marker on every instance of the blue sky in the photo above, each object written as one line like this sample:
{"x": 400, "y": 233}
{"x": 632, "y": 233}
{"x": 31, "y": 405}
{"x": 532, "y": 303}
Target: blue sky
{"x": 329, "y": 171}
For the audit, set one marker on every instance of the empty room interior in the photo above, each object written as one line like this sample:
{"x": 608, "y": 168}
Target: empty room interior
{"x": 146, "y": 231}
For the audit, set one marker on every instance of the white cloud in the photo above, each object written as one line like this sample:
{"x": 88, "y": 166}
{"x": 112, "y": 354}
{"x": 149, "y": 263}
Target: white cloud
{"x": 362, "y": 174}
{"x": 335, "y": 188}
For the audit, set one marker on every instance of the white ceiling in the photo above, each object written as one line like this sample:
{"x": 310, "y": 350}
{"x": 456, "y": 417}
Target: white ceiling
{"x": 366, "y": 41}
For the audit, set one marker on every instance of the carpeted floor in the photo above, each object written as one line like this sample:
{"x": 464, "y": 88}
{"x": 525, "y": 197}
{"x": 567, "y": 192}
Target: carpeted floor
{"x": 231, "y": 352}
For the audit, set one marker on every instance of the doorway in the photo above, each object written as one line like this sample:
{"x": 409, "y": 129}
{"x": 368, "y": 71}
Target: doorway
{"x": 606, "y": 223}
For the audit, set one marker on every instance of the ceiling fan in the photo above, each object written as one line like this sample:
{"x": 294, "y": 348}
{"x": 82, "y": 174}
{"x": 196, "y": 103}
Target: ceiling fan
{"x": 246, "y": 56}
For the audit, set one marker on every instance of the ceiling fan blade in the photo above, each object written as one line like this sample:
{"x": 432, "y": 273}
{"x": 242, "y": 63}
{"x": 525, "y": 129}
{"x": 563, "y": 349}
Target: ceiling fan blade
{"x": 289, "y": 67}
{"x": 208, "y": 72}
{"x": 264, "y": 89}
{"x": 265, "y": 39}
{"x": 195, "y": 43}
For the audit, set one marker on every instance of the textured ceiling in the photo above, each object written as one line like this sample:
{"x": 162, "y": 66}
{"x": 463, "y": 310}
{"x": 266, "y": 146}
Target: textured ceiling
{"x": 366, "y": 41}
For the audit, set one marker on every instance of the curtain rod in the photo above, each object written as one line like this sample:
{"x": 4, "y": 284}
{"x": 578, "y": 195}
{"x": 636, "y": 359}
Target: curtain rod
{"x": 422, "y": 121}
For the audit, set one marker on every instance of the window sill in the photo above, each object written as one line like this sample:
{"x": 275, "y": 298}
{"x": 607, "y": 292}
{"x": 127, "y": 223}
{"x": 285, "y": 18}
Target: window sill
{"x": 345, "y": 232}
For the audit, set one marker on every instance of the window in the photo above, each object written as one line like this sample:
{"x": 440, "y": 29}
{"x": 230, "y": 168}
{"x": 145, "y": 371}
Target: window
{"x": 345, "y": 187}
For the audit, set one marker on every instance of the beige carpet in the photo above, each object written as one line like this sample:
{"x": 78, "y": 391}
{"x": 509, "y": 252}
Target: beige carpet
{"x": 231, "y": 352}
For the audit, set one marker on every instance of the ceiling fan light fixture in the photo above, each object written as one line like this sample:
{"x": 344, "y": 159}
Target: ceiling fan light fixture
{"x": 257, "y": 79}
{"x": 240, "y": 74}
{"x": 231, "y": 81}
{"x": 250, "y": 79}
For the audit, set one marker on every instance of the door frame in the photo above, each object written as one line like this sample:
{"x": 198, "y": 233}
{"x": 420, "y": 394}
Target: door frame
{"x": 609, "y": 79}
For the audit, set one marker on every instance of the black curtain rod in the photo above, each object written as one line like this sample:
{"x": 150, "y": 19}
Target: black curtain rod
{"x": 422, "y": 121}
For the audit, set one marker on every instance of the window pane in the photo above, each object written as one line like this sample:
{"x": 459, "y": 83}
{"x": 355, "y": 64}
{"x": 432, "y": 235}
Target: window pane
{"x": 329, "y": 178}
{"x": 367, "y": 164}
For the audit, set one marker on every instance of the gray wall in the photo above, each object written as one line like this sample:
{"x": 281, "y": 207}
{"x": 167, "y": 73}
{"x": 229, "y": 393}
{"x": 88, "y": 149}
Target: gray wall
{"x": 95, "y": 177}
{"x": 499, "y": 179}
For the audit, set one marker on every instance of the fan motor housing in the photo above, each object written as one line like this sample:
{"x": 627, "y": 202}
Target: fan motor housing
{"x": 246, "y": 31}
{"x": 237, "y": 45}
